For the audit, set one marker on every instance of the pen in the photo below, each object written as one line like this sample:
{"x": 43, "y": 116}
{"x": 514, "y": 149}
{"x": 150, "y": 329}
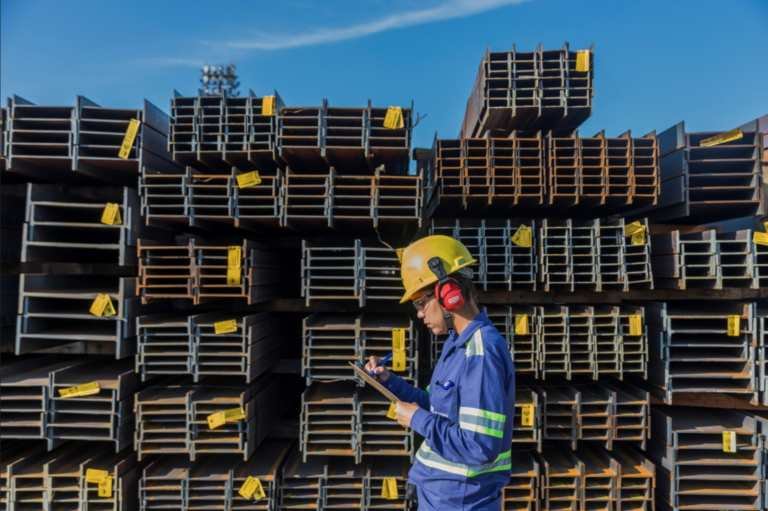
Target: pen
{"x": 386, "y": 359}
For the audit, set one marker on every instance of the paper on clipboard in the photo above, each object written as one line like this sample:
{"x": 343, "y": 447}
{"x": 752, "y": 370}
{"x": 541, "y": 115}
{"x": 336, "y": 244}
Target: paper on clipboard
{"x": 370, "y": 380}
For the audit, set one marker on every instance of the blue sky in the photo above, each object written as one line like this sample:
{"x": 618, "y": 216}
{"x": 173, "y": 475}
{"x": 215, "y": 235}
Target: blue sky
{"x": 656, "y": 62}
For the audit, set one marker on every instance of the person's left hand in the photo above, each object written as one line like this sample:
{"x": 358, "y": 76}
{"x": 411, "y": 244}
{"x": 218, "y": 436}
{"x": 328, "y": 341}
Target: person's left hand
{"x": 405, "y": 413}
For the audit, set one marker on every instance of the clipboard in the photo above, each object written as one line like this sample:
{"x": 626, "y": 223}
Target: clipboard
{"x": 370, "y": 380}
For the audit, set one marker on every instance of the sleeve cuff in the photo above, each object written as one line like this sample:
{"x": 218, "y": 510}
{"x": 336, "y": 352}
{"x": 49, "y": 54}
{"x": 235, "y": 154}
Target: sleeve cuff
{"x": 418, "y": 421}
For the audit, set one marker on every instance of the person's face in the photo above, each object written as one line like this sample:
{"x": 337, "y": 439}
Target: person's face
{"x": 430, "y": 312}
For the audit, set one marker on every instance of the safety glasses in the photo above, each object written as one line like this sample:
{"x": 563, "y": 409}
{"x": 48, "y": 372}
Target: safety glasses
{"x": 423, "y": 301}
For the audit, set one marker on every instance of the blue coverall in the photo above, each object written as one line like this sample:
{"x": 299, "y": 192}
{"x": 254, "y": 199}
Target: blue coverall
{"x": 466, "y": 419}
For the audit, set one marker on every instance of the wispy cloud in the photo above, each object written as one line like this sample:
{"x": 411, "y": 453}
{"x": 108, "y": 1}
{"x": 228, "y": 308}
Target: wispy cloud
{"x": 445, "y": 10}
{"x": 449, "y": 9}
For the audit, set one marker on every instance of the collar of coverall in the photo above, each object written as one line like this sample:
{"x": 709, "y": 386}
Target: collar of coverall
{"x": 459, "y": 340}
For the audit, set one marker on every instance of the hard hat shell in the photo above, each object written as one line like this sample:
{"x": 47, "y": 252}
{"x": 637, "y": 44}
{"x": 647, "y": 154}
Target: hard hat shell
{"x": 414, "y": 268}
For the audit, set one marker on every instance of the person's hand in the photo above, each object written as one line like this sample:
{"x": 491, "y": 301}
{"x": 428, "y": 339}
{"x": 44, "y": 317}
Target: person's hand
{"x": 405, "y": 413}
{"x": 379, "y": 372}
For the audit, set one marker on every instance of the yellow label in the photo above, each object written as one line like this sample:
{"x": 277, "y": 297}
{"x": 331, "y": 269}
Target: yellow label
{"x": 102, "y": 306}
{"x": 398, "y": 360}
{"x": 227, "y": 326}
{"x": 582, "y": 61}
{"x": 111, "y": 214}
{"x": 722, "y": 138}
{"x": 248, "y": 179}
{"x": 526, "y": 416}
{"x": 218, "y": 419}
{"x": 398, "y": 338}
{"x": 393, "y": 119}
{"x": 234, "y": 255}
{"x": 521, "y": 324}
{"x": 630, "y": 229}
{"x": 268, "y": 105}
{"x": 94, "y": 475}
{"x": 734, "y": 326}
{"x": 252, "y": 489}
{"x": 760, "y": 238}
{"x": 130, "y": 136}
{"x": 105, "y": 487}
{"x": 392, "y": 411}
{"x": 82, "y": 390}
{"x": 523, "y": 237}
{"x": 635, "y": 324}
{"x": 636, "y": 232}
{"x": 389, "y": 489}
{"x": 729, "y": 441}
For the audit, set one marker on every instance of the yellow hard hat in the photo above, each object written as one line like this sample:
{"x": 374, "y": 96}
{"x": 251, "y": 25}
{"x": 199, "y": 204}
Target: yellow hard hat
{"x": 414, "y": 267}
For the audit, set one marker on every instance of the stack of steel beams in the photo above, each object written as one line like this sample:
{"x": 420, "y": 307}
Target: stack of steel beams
{"x": 542, "y": 89}
{"x": 55, "y": 142}
{"x": 704, "y": 348}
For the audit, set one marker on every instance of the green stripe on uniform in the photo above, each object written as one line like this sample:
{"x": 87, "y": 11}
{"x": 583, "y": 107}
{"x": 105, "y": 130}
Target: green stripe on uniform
{"x": 474, "y": 346}
{"x": 482, "y": 421}
{"x": 431, "y": 459}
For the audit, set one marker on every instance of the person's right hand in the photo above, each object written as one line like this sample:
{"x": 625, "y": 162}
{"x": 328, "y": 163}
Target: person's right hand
{"x": 379, "y": 372}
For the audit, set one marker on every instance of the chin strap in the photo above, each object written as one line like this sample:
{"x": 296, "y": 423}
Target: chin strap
{"x": 448, "y": 317}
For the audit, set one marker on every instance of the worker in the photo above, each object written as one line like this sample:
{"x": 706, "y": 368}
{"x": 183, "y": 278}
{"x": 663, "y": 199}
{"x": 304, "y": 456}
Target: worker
{"x": 466, "y": 413}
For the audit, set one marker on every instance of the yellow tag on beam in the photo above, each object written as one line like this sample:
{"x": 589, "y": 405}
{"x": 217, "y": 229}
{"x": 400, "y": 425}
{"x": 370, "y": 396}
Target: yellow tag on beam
{"x": 102, "y": 306}
{"x": 398, "y": 338}
{"x": 631, "y": 228}
{"x": 218, "y": 419}
{"x": 234, "y": 256}
{"x": 398, "y": 349}
{"x": 252, "y": 489}
{"x": 760, "y": 238}
{"x": 636, "y": 232}
{"x": 128, "y": 139}
{"x": 521, "y": 324}
{"x": 729, "y": 441}
{"x": 722, "y": 138}
{"x": 523, "y": 237}
{"x": 389, "y": 489}
{"x": 268, "y": 105}
{"x": 95, "y": 475}
{"x": 248, "y": 179}
{"x": 582, "y": 61}
{"x": 111, "y": 214}
{"x": 234, "y": 414}
{"x": 638, "y": 238}
{"x": 734, "y": 325}
{"x": 526, "y": 415}
{"x": 392, "y": 411}
{"x": 105, "y": 487}
{"x": 227, "y": 326}
{"x": 398, "y": 360}
{"x": 635, "y": 324}
{"x": 82, "y": 390}
{"x": 393, "y": 119}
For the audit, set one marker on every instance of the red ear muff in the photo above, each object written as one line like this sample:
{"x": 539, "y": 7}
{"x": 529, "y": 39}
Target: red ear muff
{"x": 449, "y": 295}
